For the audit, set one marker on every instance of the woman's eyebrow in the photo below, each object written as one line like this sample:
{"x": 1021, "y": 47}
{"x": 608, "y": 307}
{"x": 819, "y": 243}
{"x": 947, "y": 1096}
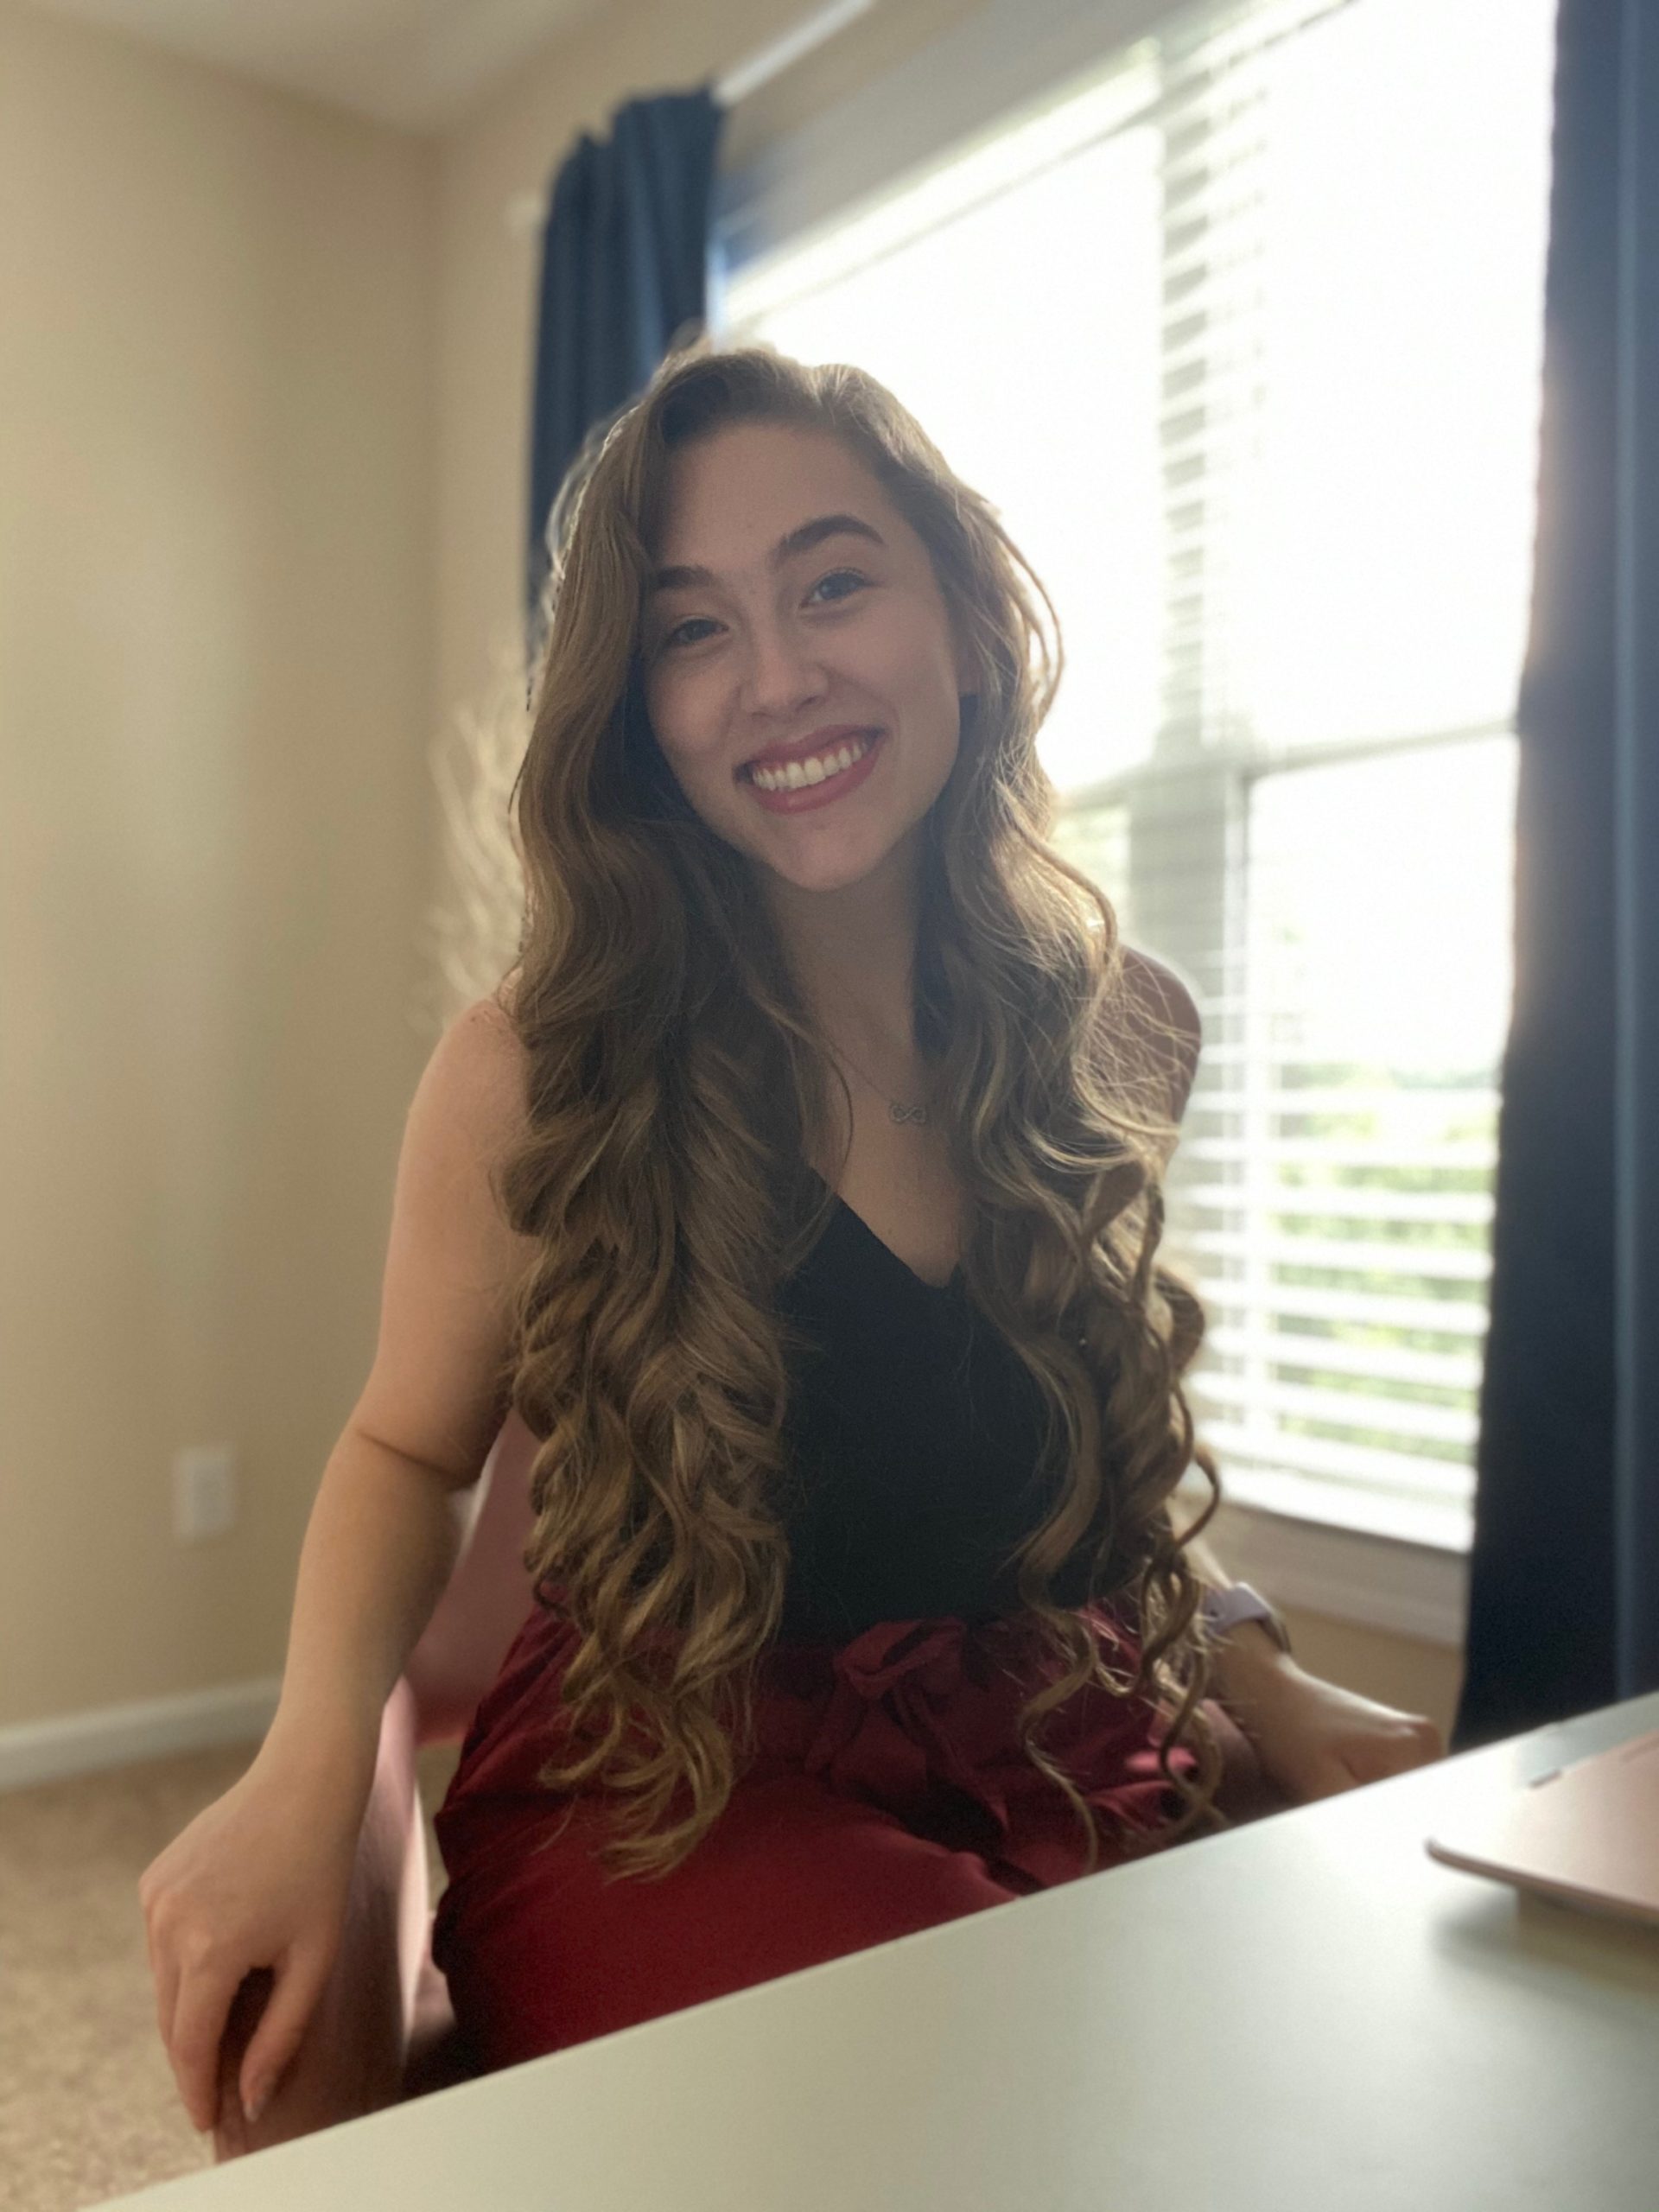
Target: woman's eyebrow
{"x": 798, "y": 540}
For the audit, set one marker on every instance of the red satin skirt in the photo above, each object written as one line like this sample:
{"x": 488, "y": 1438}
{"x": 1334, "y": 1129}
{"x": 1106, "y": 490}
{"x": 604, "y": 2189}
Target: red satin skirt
{"x": 888, "y": 1793}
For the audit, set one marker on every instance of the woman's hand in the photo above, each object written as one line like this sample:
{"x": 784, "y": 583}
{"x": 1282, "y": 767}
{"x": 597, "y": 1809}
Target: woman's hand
{"x": 1314, "y": 1739}
{"x": 259, "y": 1879}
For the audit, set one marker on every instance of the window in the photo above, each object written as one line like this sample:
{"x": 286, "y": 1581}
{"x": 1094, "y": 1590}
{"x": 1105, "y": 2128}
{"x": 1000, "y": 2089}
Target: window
{"x": 1241, "y": 326}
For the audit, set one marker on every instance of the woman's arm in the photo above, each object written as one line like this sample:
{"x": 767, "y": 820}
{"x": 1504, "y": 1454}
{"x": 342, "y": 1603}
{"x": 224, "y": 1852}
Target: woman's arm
{"x": 392, "y": 1507}
{"x": 261, "y": 1879}
{"x": 1311, "y": 1737}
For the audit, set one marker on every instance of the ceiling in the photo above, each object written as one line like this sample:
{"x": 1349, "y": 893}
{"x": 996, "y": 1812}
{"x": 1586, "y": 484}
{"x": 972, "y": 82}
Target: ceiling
{"x": 419, "y": 64}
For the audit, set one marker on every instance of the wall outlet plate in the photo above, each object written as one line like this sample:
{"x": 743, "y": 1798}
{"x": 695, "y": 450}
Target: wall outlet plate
{"x": 204, "y": 1491}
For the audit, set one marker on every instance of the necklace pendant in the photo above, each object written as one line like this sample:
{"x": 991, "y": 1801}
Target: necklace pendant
{"x": 902, "y": 1114}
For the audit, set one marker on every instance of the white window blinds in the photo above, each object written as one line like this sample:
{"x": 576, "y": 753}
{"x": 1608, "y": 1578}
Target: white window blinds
{"x": 1241, "y": 328}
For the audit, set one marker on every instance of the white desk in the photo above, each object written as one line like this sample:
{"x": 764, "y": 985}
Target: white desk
{"x": 1306, "y": 2012}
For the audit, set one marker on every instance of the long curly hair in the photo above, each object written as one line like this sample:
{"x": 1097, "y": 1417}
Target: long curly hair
{"x": 677, "y": 1080}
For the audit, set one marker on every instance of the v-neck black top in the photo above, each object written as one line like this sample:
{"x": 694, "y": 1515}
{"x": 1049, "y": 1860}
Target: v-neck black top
{"x": 914, "y": 1441}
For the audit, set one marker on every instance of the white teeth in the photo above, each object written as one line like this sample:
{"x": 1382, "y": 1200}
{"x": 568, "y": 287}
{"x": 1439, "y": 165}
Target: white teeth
{"x": 796, "y": 775}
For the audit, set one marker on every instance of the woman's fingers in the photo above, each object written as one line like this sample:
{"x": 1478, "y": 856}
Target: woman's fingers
{"x": 157, "y": 1963}
{"x": 282, "y": 2025}
{"x": 203, "y": 2008}
{"x": 165, "y": 1974}
{"x": 1429, "y": 1742}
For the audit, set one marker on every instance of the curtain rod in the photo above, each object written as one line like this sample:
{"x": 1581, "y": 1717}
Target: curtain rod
{"x": 528, "y": 211}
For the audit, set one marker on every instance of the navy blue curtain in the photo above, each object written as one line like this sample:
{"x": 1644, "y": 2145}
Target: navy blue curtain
{"x": 625, "y": 257}
{"x": 1564, "y": 1599}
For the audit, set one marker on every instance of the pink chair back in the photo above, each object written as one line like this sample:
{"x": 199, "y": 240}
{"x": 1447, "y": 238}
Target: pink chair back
{"x": 486, "y": 1600}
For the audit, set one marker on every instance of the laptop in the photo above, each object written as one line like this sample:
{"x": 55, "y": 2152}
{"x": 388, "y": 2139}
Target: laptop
{"x": 1586, "y": 1834}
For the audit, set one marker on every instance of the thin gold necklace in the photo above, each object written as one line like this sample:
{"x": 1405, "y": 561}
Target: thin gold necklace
{"x": 895, "y": 1111}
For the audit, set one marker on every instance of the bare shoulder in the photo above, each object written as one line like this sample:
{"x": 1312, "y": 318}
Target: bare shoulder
{"x": 1171, "y": 1019}
{"x": 1157, "y": 986}
{"x": 489, "y": 1037}
{"x": 476, "y": 1080}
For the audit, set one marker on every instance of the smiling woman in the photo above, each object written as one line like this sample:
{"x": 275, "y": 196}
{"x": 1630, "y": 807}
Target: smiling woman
{"x": 857, "y": 1404}
{"x": 788, "y": 829}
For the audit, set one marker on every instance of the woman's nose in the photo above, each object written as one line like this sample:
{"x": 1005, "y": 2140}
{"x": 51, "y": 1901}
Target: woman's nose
{"x": 781, "y": 673}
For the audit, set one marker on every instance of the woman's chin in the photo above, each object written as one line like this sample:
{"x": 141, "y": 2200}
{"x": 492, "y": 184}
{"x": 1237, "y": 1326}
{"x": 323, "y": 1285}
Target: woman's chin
{"x": 826, "y": 873}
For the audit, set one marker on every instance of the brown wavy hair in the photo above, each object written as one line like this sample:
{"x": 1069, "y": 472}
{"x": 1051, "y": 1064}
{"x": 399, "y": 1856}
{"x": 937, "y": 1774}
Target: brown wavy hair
{"x": 677, "y": 1080}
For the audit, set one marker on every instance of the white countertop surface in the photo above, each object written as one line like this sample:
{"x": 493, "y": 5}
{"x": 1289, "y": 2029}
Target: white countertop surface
{"x": 1306, "y": 2011}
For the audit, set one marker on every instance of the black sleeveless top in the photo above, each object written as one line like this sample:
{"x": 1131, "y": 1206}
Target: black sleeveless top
{"x": 914, "y": 1444}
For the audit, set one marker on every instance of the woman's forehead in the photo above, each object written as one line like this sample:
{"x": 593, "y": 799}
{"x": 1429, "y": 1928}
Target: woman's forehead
{"x": 730, "y": 496}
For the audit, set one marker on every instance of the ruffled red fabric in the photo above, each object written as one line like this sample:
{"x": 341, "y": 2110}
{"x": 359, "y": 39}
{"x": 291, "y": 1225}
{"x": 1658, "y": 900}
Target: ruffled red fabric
{"x": 885, "y": 1792}
{"x": 921, "y": 1719}
{"x": 917, "y": 1718}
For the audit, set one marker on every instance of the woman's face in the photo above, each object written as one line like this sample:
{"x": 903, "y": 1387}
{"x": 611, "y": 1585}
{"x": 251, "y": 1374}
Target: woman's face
{"x": 777, "y": 643}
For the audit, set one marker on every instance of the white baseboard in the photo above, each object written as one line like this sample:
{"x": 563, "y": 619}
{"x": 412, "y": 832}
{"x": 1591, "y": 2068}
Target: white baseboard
{"x": 123, "y": 1735}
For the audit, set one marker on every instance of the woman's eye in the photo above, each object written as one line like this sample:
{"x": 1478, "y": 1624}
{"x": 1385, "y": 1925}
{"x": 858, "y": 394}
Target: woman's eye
{"x": 836, "y": 575}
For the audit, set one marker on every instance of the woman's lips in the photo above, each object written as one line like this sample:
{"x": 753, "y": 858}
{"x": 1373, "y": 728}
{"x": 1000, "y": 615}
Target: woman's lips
{"x": 808, "y": 796}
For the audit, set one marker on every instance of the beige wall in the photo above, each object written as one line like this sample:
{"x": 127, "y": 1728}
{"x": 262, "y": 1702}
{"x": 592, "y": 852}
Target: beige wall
{"x": 263, "y": 382}
{"x": 216, "y": 437}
